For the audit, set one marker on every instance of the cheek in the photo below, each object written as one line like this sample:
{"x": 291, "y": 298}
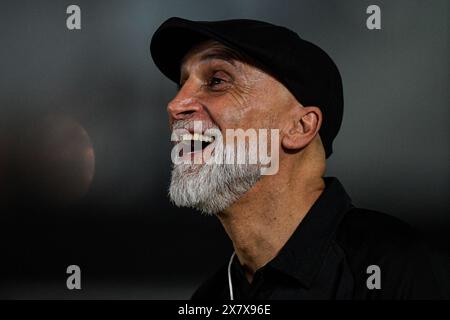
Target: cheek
{"x": 229, "y": 110}
{"x": 273, "y": 104}
{"x": 263, "y": 110}
{"x": 245, "y": 107}
{"x": 258, "y": 111}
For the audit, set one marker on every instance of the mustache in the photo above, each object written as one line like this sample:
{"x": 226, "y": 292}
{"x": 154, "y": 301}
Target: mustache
{"x": 191, "y": 125}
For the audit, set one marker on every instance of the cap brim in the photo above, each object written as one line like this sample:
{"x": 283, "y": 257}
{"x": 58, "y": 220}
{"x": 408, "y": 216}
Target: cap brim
{"x": 174, "y": 38}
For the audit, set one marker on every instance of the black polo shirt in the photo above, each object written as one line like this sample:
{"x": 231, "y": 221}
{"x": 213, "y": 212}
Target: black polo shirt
{"x": 338, "y": 251}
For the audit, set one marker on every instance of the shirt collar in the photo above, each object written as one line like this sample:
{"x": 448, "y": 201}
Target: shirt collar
{"x": 302, "y": 256}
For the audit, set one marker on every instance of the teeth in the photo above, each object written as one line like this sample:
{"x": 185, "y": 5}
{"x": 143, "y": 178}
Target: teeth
{"x": 196, "y": 137}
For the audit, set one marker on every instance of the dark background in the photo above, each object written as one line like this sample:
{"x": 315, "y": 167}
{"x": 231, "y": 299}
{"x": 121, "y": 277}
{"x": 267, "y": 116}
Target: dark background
{"x": 392, "y": 153}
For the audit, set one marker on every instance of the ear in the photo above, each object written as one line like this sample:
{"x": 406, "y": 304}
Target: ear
{"x": 303, "y": 127}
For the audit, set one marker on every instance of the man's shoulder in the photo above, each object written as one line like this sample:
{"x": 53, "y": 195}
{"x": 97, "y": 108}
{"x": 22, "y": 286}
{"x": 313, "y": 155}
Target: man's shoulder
{"x": 376, "y": 235}
{"x": 214, "y": 287}
{"x": 371, "y": 238}
{"x": 364, "y": 227}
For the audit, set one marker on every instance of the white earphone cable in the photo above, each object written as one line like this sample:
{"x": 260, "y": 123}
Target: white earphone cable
{"x": 230, "y": 285}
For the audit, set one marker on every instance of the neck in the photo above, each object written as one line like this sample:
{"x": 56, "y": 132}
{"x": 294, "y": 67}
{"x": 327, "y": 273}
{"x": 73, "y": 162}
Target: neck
{"x": 262, "y": 221}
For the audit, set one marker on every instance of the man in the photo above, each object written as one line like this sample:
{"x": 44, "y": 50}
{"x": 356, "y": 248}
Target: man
{"x": 296, "y": 234}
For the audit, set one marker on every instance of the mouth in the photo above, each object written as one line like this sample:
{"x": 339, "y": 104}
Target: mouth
{"x": 194, "y": 143}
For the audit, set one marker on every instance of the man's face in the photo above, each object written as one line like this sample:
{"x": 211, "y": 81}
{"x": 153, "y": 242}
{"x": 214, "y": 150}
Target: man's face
{"x": 221, "y": 91}
{"x": 217, "y": 88}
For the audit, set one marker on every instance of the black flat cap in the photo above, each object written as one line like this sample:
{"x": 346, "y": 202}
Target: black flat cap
{"x": 302, "y": 67}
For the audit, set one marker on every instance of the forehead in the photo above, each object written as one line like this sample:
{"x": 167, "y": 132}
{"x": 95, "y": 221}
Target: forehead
{"x": 212, "y": 50}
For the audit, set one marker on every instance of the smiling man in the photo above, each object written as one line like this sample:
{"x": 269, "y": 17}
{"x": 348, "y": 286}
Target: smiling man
{"x": 295, "y": 233}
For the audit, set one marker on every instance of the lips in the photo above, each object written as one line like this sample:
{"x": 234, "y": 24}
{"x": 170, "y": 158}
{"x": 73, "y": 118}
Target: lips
{"x": 194, "y": 142}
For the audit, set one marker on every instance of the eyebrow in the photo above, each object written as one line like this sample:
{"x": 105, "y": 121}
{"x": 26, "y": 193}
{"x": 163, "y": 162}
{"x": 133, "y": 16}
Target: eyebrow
{"x": 219, "y": 56}
{"x": 224, "y": 55}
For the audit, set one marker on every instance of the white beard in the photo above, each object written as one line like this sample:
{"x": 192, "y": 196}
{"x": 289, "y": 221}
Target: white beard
{"x": 211, "y": 188}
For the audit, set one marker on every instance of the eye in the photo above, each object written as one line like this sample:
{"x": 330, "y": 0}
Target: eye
{"x": 218, "y": 81}
{"x": 215, "y": 81}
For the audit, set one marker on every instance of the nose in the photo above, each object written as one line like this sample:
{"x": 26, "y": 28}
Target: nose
{"x": 185, "y": 104}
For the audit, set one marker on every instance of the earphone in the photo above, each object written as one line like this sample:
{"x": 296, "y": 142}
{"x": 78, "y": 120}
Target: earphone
{"x": 230, "y": 284}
